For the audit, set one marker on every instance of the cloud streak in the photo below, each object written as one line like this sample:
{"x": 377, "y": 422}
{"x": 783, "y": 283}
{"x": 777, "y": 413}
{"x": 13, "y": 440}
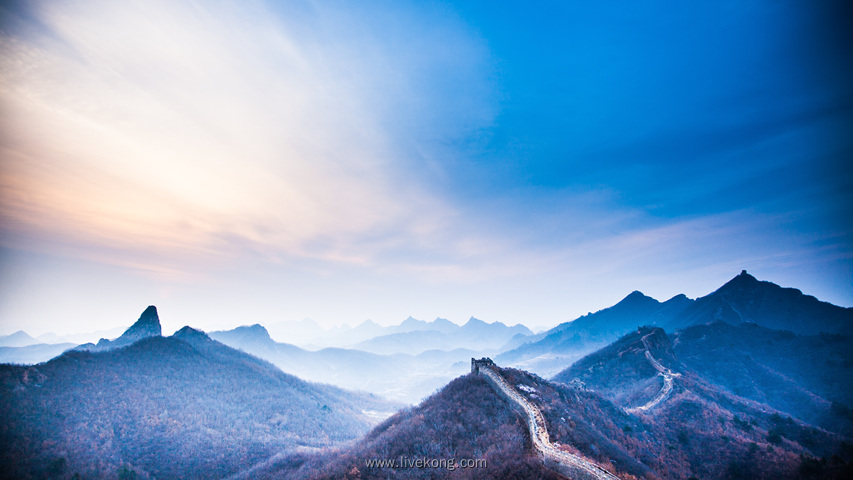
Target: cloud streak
{"x": 167, "y": 127}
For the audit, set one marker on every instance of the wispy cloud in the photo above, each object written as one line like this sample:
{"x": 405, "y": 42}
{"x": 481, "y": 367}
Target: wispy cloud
{"x": 460, "y": 158}
{"x": 171, "y": 127}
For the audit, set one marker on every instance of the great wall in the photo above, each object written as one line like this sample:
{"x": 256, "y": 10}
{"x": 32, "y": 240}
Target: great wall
{"x": 564, "y": 463}
{"x": 664, "y": 372}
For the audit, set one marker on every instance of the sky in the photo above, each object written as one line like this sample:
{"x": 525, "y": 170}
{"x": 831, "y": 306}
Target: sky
{"x": 265, "y": 161}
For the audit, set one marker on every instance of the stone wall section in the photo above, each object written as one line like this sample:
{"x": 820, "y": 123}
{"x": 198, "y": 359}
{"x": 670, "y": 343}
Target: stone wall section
{"x": 562, "y": 462}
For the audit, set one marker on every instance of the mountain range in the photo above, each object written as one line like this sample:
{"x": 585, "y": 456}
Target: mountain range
{"x": 751, "y": 381}
{"x": 183, "y": 406}
{"x": 475, "y": 335}
{"x": 308, "y": 334}
{"x": 742, "y": 300}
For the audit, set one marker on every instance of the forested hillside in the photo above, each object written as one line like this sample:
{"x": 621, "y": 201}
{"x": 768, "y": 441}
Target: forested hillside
{"x": 807, "y": 376}
{"x": 178, "y": 407}
{"x": 699, "y": 428}
{"x": 466, "y": 420}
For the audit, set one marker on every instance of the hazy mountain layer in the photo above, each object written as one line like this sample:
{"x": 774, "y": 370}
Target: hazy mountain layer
{"x": 474, "y": 335}
{"x": 308, "y": 333}
{"x": 17, "y": 339}
{"x": 405, "y": 378}
{"x": 32, "y": 354}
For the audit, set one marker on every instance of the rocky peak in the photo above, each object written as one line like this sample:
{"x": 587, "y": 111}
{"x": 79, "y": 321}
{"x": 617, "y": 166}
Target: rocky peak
{"x": 148, "y": 325}
{"x": 742, "y": 283}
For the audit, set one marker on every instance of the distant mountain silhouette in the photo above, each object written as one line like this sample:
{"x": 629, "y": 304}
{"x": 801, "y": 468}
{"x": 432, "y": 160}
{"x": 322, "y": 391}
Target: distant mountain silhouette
{"x": 475, "y": 335}
{"x": 32, "y": 354}
{"x": 30, "y": 351}
{"x": 369, "y": 329}
{"x": 17, "y": 339}
{"x": 251, "y": 334}
{"x": 308, "y": 334}
{"x": 185, "y": 406}
{"x": 742, "y": 300}
{"x": 443, "y": 325}
{"x": 22, "y": 349}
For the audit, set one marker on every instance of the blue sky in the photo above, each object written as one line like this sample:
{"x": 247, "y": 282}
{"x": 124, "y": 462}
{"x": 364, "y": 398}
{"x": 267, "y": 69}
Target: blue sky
{"x": 258, "y": 161}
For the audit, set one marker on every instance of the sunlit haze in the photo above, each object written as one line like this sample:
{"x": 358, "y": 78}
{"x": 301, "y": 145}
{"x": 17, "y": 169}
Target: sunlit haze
{"x": 255, "y": 162}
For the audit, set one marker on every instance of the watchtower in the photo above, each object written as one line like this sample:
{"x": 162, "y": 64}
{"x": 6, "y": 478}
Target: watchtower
{"x": 476, "y": 364}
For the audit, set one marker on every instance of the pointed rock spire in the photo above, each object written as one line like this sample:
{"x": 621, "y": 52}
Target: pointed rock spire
{"x": 148, "y": 325}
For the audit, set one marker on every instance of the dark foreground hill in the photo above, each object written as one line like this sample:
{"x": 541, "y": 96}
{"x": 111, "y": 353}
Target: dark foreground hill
{"x": 464, "y": 421}
{"x": 690, "y": 435}
{"x": 184, "y": 406}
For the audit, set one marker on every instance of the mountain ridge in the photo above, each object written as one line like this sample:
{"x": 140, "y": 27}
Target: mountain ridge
{"x": 741, "y": 299}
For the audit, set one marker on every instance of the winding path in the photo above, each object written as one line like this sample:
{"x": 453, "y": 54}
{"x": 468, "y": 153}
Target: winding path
{"x": 565, "y": 463}
{"x": 667, "y": 375}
